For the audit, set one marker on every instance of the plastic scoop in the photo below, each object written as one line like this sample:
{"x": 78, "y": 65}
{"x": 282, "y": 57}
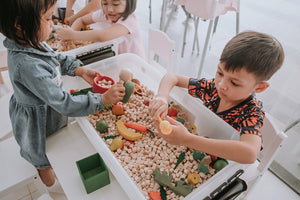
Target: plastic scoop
{"x": 164, "y": 126}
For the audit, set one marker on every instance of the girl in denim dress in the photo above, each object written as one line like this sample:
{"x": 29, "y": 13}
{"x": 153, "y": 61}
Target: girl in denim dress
{"x": 39, "y": 107}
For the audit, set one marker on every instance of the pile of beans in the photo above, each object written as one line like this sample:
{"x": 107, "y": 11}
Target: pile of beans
{"x": 66, "y": 45}
{"x": 142, "y": 157}
{"x": 104, "y": 83}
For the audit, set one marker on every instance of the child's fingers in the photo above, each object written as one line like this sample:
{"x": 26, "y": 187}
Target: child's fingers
{"x": 156, "y": 110}
{"x": 172, "y": 121}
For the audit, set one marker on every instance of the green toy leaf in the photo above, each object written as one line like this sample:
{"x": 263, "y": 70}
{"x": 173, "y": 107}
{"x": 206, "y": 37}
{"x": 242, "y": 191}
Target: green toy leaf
{"x": 180, "y": 159}
{"x": 198, "y": 155}
{"x": 83, "y": 91}
{"x": 163, "y": 193}
{"x": 181, "y": 120}
{"x": 202, "y": 167}
{"x": 110, "y": 137}
{"x": 164, "y": 179}
{"x": 151, "y": 132}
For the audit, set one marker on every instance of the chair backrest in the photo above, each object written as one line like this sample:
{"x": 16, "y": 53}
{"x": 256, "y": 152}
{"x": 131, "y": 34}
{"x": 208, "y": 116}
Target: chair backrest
{"x": 3, "y": 63}
{"x": 161, "y": 45}
{"x": 272, "y": 138}
{"x": 210, "y": 9}
{"x": 3, "y": 58}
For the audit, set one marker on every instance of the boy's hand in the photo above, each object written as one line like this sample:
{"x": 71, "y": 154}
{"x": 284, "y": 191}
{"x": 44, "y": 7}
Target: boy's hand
{"x": 65, "y": 33}
{"x": 178, "y": 134}
{"x": 87, "y": 74}
{"x": 114, "y": 94}
{"x": 158, "y": 107}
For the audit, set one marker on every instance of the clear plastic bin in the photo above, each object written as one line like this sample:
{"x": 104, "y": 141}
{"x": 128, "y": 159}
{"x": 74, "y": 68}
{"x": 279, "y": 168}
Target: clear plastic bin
{"x": 208, "y": 124}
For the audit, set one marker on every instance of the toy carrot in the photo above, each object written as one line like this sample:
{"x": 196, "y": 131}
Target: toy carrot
{"x": 155, "y": 195}
{"x": 139, "y": 127}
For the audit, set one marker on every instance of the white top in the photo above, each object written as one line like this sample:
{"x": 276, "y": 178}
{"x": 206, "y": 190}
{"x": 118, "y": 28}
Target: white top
{"x": 133, "y": 41}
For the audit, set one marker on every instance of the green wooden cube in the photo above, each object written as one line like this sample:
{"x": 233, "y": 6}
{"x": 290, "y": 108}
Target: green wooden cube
{"x": 93, "y": 172}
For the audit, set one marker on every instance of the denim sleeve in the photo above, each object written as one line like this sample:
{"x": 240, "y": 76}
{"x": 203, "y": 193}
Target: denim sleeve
{"x": 68, "y": 64}
{"x": 37, "y": 78}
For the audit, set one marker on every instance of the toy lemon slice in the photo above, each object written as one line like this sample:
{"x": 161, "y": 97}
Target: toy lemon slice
{"x": 164, "y": 126}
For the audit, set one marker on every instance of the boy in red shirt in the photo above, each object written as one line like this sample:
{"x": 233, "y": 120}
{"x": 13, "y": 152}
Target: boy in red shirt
{"x": 247, "y": 62}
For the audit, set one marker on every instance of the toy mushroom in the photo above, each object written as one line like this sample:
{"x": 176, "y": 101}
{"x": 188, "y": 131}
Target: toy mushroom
{"x": 125, "y": 75}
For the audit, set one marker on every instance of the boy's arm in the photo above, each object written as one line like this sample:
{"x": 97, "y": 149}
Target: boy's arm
{"x": 244, "y": 151}
{"x": 159, "y": 105}
{"x": 169, "y": 81}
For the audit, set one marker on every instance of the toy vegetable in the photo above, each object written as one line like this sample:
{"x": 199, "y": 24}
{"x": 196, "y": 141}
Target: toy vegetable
{"x": 116, "y": 144}
{"x": 155, "y": 195}
{"x": 139, "y": 127}
{"x": 164, "y": 126}
{"x": 193, "y": 179}
{"x": 126, "y": 133}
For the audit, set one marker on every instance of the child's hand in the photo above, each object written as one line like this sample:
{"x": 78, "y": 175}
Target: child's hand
{"x": 65, "y": 33}
{"x": 114, "y": 94}
{"x": 158, "y": 107}
{"x": 70, "y": 20}
{"x": 87, "y": 74}
{"x": 178, "y": 134}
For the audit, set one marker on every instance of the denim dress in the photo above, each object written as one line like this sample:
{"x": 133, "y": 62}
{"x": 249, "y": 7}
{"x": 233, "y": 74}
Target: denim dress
{"x": 39, "y": 107}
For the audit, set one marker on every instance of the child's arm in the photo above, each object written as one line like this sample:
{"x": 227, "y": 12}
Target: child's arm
{"x": 83, "y": 21}
{"x": 244, "y": 151}
{"x": 159, "y": 105}
{"x": 113, "y": 32}
{"x": 90, "y": 7}
{"x": 87, "y": 74}
{"x": 113, "y": 95}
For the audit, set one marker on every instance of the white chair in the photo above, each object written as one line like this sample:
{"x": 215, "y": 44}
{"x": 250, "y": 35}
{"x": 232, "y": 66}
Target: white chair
{"x": 159, "y": 44}
{"x": 207, "y": 10}
{"x": 16, "y": 173}
{"x": 272, "y": 138}
{"x": 5, "y": 125}
{"x": 45, "y": 197}
{"x": 3, "y": 63}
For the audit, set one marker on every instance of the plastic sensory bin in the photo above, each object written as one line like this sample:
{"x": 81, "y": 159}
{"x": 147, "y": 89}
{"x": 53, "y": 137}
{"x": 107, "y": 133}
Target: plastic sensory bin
{"x": 101, "y": 89}
{"x": 93, "y": 172}
{"x": 207, "y": 123}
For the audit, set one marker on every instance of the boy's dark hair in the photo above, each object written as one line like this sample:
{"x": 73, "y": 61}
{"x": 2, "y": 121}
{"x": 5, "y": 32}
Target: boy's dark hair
{"x": 258, "y": 53}
{"x": 130, "y": 8}
{"x": 20, "y": 20}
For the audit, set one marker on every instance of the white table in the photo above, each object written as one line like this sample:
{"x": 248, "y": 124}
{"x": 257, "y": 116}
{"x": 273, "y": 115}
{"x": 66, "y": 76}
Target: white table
{"x": 66, "y": 147}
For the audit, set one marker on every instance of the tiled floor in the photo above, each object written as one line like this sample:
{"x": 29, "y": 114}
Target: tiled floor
{"x": 276, "y": 17}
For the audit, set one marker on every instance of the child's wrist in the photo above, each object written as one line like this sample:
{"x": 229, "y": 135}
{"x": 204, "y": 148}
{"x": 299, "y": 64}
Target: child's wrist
{"x": 75, "y": 17}
{"x": 79, "y": 71}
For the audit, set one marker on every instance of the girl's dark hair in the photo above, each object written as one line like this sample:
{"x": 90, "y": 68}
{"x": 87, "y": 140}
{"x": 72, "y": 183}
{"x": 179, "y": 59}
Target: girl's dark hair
{"x": 20, "y": 20}
{"x": 258, "y": 53}
{"x": 130, "y": 8}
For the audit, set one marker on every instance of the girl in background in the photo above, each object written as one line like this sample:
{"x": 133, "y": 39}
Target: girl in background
{"x": 92, "y": 6}
{"x": 39, "y": 107}
{"x": 119, "y": 16}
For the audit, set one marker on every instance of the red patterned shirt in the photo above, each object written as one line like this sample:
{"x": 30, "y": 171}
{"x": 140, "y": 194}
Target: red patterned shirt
{"x": 246, "y": 117}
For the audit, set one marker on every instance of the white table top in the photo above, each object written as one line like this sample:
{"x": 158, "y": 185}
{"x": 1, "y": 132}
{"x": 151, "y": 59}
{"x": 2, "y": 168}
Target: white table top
{"x": 66, "y": 147}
